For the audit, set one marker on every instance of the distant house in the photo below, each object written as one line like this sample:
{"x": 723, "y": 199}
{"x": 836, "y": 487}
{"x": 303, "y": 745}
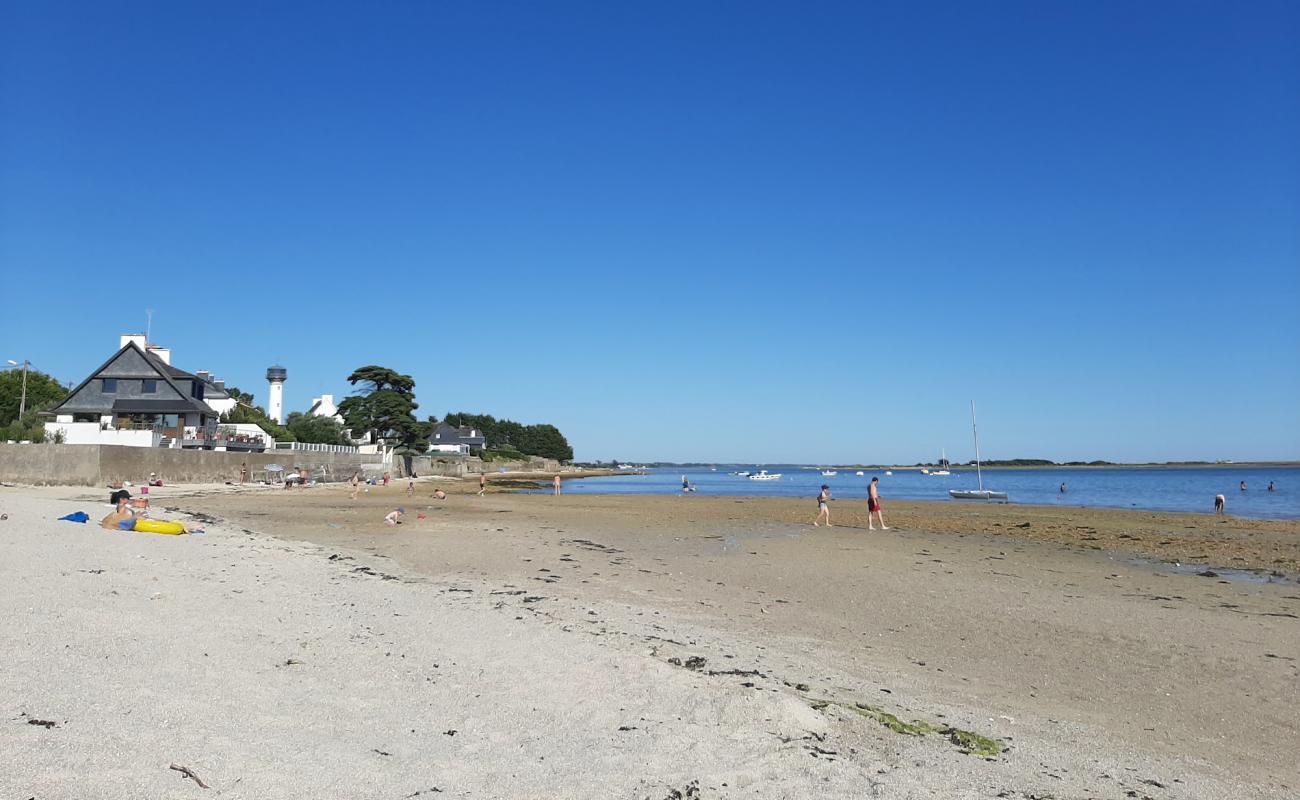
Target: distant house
{"x": 464, "y": 440}
{"x": 324, "y": 406}
{"x": 138, "y": 398}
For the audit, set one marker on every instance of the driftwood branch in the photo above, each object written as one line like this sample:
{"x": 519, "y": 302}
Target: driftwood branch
{"x": 189, "y": 773}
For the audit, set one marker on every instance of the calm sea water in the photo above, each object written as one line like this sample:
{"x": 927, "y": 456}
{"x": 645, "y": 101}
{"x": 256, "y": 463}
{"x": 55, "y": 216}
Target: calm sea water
{"x": 1156, "y": 488}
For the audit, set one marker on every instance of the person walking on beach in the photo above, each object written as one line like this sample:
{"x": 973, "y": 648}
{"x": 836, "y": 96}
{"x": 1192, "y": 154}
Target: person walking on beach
{"x": 410, "y": 487}
{"x": 873, "y": 504}
{"x": 356, "y": 484}
{"x": 243, "y": 473}
{"x": 482, "y": 483}
{"x": 556, "y": 483}
{"x": 302, "y": 477}
{"x": 823, "y": 507}
{"x": 1219, "y": 503}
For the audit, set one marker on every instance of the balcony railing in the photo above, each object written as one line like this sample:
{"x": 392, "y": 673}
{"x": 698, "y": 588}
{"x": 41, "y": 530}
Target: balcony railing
{"x": 309, "y": 447}
{"x": 217, "y": 437}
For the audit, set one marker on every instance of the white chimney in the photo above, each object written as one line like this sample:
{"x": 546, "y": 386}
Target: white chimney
{"x": 164, "y": 354}
{"x": 128, "y": 338}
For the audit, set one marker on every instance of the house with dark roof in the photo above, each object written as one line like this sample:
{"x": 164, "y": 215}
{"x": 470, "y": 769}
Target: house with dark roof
{"x": 138, "y": 398}
{"x": 464, "y": 440}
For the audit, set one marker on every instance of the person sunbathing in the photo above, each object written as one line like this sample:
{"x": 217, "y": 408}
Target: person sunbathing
{"x": 120, "y": 514}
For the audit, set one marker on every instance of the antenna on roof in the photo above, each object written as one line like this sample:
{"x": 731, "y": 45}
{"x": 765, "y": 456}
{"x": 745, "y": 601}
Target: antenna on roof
{"x": 148, "y": 329}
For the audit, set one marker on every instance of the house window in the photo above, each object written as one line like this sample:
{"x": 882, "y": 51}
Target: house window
{"x": 149, "y": 386}
{"x": 110, "y": 386}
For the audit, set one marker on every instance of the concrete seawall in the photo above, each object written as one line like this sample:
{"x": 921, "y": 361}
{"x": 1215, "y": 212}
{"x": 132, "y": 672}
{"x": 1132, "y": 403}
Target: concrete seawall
{"x": 98, "y": 465}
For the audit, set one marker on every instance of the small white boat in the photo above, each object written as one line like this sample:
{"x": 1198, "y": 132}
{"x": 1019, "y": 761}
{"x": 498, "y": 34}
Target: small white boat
{"x": 829, "y": 473}
{"x": 741, "y": 474}
{"x": 942, "y": 471}
{"x": 764, "y": 475}
{"x": 987, "y": 495}
{"x": 859, "y": 473}
{"x": 887, "y": 472}
{"x": 925, "y": 471}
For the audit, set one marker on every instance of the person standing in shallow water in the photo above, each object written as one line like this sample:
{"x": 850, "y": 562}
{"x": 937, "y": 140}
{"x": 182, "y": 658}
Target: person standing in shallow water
{"x": 1243, "y": 486}
{"x": 873, "y": 504}
{"x": 823, "y": 507}
{"x": 556, "y": 483}
{"x": 1219, "y": 503}
{"x": 1271, "y": 487}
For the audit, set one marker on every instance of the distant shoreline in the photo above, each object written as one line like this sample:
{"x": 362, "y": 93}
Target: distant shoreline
{"x": 915, "y": 468}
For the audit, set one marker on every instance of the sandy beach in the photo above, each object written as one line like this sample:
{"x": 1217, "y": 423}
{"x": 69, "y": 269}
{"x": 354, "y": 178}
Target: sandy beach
{"x": 523, "y": 645}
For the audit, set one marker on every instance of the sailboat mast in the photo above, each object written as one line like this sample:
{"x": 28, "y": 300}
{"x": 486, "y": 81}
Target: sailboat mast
{"x": 975, "y": 431}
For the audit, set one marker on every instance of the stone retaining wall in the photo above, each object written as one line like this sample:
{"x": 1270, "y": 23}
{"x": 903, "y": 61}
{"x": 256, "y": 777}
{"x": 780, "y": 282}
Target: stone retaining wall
{"x": 98, "y": 465}
{"x": 462, "y": 467}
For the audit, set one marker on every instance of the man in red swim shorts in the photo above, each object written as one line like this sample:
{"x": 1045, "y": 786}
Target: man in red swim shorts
{"x": 873, "y": 505}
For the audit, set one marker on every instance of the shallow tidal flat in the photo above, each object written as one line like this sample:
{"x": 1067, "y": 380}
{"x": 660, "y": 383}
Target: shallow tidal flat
{"x": 640, "y": 646}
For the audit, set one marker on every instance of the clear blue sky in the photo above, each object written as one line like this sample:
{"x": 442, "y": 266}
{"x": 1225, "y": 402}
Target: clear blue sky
{"x": 713, "y": 231}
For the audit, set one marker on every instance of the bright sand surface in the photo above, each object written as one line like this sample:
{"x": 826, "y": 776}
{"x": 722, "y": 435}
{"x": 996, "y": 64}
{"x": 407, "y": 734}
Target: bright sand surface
{"x": 532, "y": 646}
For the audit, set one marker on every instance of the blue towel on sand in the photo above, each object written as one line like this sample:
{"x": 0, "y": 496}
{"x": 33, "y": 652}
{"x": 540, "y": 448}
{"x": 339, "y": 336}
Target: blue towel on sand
{"x": 78, "y": 516}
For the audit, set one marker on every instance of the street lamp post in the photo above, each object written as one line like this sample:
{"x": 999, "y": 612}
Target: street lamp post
{"x": 22, "y": 403}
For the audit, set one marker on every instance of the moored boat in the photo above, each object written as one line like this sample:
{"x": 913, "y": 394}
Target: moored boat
{"x": 987, "y": 495}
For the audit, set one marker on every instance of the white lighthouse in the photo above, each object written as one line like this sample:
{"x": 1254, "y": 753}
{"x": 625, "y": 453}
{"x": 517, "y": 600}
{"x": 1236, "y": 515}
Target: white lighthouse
{"x": 275, "y": 398}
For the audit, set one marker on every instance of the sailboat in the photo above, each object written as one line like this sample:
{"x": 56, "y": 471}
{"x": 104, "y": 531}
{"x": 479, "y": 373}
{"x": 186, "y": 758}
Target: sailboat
{"x": 988, "y": 495}
{"x": 943, "y": 466}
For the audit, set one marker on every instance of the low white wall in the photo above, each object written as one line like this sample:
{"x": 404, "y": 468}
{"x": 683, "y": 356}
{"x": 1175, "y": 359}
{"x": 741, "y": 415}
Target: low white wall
{"x": 92, "y": 433}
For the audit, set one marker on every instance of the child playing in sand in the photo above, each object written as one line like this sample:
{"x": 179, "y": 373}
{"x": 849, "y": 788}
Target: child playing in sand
{"x": 394, "y": 517}
{"x": 439, "y": 494}
{"x": 410, "y": 487}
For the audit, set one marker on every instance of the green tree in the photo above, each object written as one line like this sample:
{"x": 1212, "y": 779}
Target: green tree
{"x": 386, "y": 410}
{"x": 506, "y": 434}
{"x": 42, "y": 392}
{"x": 316, "y": 430}
{"x": 30, "y": 428}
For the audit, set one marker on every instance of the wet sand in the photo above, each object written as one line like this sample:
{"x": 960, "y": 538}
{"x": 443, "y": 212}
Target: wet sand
{"x": 997, "y": 613}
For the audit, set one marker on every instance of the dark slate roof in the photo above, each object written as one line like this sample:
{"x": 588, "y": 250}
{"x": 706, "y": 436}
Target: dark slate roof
{"x": 175, "y": 373}
{"x": 168, "y": 373}
{"x": 452, "y": 435}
